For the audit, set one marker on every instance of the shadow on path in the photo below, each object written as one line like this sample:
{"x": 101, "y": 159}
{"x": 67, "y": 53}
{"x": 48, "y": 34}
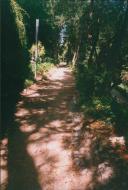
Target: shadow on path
{"x": 40, "y": 146}
{"x": 48, "y": 149}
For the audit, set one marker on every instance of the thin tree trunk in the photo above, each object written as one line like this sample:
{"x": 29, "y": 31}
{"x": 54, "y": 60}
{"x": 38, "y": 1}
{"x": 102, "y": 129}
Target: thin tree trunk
{"x": 75, "y": 56}
{"x": 93, "y": 47}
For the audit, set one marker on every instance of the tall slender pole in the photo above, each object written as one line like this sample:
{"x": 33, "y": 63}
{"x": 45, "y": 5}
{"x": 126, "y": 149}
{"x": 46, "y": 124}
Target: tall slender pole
{"x": 36, "y": 52}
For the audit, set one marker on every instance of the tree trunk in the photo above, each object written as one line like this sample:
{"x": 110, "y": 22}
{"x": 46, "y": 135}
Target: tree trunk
{"x": 117, "y": 41}
{"x": 75, "y": 56}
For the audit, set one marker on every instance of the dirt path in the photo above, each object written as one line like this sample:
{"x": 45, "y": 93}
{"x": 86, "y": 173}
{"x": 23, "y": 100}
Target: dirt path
{"x": 44, "y": 149}
{"x": 42, "y": 141}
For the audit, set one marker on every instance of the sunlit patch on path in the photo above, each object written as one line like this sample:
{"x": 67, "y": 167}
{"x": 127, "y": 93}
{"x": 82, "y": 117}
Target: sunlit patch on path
{"x": 3, "y": 164}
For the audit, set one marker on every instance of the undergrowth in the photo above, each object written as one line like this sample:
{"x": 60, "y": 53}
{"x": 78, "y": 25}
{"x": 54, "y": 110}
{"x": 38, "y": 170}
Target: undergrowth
{"x": 41, "y": 69}
{"x": 96, "y": 100}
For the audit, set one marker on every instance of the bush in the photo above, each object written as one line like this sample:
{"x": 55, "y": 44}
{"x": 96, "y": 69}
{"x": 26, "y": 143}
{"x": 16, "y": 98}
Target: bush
{"x": 49, "y": 60}
{"x": 41, "y": 52}
{"x": 99, "y": 108}
{"x": 43, "y": 68}
{"x": 85, "y": 81}
{"x": 28, "y": 83}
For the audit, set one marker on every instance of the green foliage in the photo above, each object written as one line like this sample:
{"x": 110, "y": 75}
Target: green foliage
{"x": 85, "y": 80}
{"x": 92, "y": 82}
{"x": 41, "y": 51}
{"x": 63, "y": 52}
{"x": 43, "y": 68}
{"x": 123, "y": 87}
{"x": 124, "y": 76}
{"x": 19, "y": 14}
{"x": 28, "y": 83}
{"x": 121, "y": 117}
{"x": 99, "y": 108}
{"x": 49, "y": 60}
